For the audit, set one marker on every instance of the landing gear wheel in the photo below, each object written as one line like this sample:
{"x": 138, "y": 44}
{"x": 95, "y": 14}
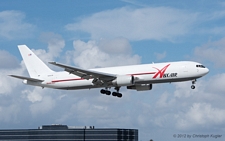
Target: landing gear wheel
{"x": 108, "y": 93}
{"x": 114, "y": 94}
{"x": 193, "y": 82}
{"x": 119, "y": 95}
{"x": 117, "y": 92}
{"x": 103, "y": 91}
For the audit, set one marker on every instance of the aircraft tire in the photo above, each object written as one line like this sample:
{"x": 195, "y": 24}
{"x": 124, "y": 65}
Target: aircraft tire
{"x": 119, "y": 95}
{"x": 103, "y": 91}
{"x": 192, "y": 86}
{"x": 107, "y": 92}
{"x": 114, "y": 94}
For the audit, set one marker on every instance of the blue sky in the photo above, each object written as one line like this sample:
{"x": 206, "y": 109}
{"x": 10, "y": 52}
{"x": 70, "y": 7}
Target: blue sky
{"x": 104, "y": 33}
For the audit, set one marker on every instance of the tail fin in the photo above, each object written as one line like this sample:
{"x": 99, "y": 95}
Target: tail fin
{"x": 33, "y": 64}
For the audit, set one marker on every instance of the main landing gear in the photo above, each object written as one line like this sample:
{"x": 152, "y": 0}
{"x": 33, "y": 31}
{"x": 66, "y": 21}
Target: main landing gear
{"x": 193, "y": 82}
{"x": 107, "y": 92}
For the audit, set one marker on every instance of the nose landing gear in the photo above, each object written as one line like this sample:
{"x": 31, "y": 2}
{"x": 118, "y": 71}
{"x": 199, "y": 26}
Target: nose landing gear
{"x": 193, "y": 82}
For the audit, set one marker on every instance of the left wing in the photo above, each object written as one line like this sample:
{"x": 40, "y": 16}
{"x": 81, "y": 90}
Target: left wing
{"x": 86, "y": 74}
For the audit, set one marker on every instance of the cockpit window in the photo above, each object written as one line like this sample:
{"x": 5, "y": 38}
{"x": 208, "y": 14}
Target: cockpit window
{"x": 200, "y": 66}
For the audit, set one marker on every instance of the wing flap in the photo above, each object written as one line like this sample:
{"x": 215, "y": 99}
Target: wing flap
{"x": 86, "y": 74}
{"x": 27, "y": 78}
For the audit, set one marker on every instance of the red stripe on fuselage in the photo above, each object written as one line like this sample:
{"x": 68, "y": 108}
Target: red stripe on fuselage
{"x": 54, "y": 81}
{"x": 63, "y": 80}
{"x": 143, "y": 73}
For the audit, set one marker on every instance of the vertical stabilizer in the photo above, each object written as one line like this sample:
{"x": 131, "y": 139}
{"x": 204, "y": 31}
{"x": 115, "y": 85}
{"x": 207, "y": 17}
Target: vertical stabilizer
{"x": 33, "y": 64}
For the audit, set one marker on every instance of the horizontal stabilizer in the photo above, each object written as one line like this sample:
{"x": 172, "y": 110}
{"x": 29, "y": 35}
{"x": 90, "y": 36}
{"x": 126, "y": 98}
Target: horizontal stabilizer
{"x": 27, "y": 78}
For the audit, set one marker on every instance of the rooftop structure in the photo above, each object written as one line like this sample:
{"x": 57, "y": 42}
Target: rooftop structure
{"x": 69, "y": 133}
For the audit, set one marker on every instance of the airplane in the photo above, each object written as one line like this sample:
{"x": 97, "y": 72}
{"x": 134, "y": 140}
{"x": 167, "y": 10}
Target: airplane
{"x": 134, "y": 77}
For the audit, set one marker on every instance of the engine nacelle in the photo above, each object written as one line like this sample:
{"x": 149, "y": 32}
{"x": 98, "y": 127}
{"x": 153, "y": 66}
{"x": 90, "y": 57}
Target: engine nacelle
{"x": 123, "y": 80}
{"x": 142, "y": 87}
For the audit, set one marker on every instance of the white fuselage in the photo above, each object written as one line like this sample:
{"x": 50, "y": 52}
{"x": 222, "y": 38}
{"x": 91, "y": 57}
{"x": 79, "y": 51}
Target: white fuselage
{"x": 143, "y": 74}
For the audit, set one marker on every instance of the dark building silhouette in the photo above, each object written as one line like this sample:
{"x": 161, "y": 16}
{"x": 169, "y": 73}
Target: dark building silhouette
{"x": 65, "y": 133}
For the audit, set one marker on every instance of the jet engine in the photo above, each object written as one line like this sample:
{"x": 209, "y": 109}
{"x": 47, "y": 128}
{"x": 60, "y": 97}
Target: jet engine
{"x": 123, "y": 80}
{"x": 141, "y": 87}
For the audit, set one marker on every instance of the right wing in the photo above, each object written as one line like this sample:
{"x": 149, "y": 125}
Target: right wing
{"x": 27, "y": 78}
{"x": 86, "y": 74}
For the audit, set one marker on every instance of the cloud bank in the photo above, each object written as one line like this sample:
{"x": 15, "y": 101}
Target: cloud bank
{"x": 13, "y": 25}
{"x": 159, "y": 23}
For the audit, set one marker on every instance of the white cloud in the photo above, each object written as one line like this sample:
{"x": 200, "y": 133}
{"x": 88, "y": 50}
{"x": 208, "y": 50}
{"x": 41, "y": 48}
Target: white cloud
{"x": 34, "y": 95}
{"x": 183, "y": 89}
{"x": 212, "y": 51}
{"x": 46, "y": 104}
{"x": 55, "y": 45}
{"x": 102, "y": 54}
{"x": 215, "y": 15}
{"x": 9, "y": 113}
{"x": 164, "y": 101}
{"x": 13, "y": 26}
{"x": 8, "y": 61}
{"x": 200, "y": 109}
{"x": 159, "y": 23}
{"x": 8, "y": 65}
{"x": 201, "y": 115}
{"x": 115, "y": 46}
{"x": 216, "y": 83}
{"x": 160, "y": 56}
{"x": 7, "y": 83}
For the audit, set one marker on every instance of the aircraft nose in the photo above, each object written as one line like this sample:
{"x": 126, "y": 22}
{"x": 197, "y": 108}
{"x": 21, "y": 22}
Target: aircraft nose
{"x": 206, "y": 70}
